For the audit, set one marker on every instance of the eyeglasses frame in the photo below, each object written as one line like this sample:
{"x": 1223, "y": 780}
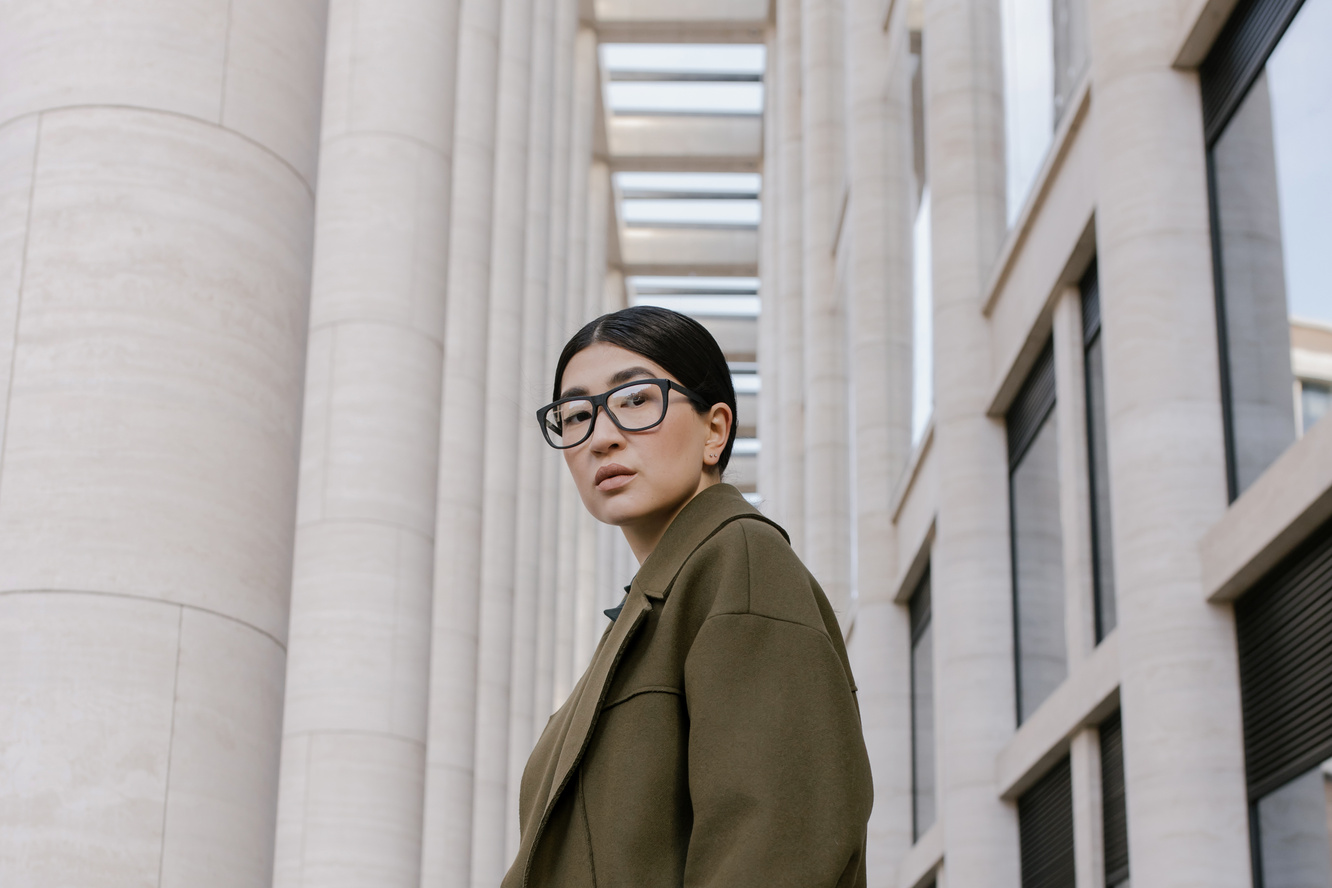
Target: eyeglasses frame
{"x": 599, "y": 405}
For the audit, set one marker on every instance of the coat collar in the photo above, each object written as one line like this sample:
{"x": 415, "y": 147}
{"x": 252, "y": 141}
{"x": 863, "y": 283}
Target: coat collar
{"x": 708, "y": 512}
{"x": 705, "y": 514}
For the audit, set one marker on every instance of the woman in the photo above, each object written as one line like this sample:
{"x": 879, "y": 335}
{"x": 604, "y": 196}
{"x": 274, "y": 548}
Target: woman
{"x": 714, "y": 739}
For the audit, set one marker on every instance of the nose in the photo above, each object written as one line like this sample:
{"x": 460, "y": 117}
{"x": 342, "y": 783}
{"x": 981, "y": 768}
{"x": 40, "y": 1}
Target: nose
{"x": 606, "y": 435}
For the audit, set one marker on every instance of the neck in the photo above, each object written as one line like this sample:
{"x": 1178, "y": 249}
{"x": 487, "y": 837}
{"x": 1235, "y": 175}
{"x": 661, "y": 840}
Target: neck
{"x": 644, "y": 536}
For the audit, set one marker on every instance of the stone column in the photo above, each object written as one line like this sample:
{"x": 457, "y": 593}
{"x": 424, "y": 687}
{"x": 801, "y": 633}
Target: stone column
{"x": 354, "y": 726}
{"x": 827, "y": 494}
{"x": 552, "y": 466}
{"x": 1074, "y": 478}
{"x": 1088, "y": 809}
{"x": 878, "y": 225}
{"x": 571, "y": 513}
{"x": 530, "y": 394}
{"x": 157, "y": 171}
{"x": 771, "y": 431}
{"x": 446, "y": 859}
{"x": 790, "y": 376}
{"x": 503, "y": 380}
{"x": 972, "y": 599}
{"x": 1183, "y": 745}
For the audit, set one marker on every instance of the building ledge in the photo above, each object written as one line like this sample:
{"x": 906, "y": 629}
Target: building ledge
{"x": 922, "y": 861}
{"x": 1271, "y": 518}
{"x": 1086, "y": 697}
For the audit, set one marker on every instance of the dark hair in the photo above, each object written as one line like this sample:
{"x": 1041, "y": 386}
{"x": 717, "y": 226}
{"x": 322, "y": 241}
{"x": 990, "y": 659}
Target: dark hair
{"x": 680, "y": 344}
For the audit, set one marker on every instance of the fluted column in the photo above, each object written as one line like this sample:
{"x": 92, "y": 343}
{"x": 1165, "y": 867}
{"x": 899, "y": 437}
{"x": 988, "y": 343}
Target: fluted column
{"x": 827, "y": 495}
{"x": 770, "y": 427}
{"x": 971, "y": 594}
{"x": 157, "y": 166}
{"x": 878, "y": 225}
{"x": 531, "y": 392}
{"x": 552, "y": 466}
{"x": 451, "y": 747}
{"x": 503, "y": 380}
{"x": 354, "y": 726}
{"x": 790, "y": 376}
{"x": 1183, "y": 746}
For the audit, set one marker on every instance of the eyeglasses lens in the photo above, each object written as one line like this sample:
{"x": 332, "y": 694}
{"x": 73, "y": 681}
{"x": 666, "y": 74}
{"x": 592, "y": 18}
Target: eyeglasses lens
{"x": 637, "y": 407}
{"x": 634, "y": 407}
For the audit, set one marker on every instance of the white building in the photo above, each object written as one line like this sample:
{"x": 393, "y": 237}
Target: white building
{"x": 289, "y": 583}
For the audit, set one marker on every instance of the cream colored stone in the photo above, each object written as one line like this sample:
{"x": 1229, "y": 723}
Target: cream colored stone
{"x": 18, "y": 153}
{"x": 222, "y": 788}
{"x": 1082, "y": 701}
{"x": 274, "y": 77}
{"x": 383, "y": 218}
{"x": 146, "y": 386}
{"x": 1088, "y": 809}
{"x": 384, "y": 426}
{"x": 685, "y": 140}
{"x": 166, "y": 55}
{"x": 446, "y": 856}
{"x": 86, "y": 694}
{"x": 360, "y": 644}
{"x": 684, "y": 249}
{"x": 1183, "y": 744}
{"x": 1280, "y": 509}
{"x": 970, "y": 569}
{"x": 392, "y": 69}
{"x": 788, "y": 501}
{"x": 362, "y": 806}
{"x": 315, "y": 427}
{"x": 923, "y": 861}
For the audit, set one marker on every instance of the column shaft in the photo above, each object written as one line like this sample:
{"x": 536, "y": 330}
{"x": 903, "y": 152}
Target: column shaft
{"x": 354, "y": 729}
{"x": 503, "y": 380}
{"x": 878, "y": 82}
{"x": 531, "y": 393}
{"x": 972, "y": 610}
{"x": 156, "y": 228}
{"x": 827, "y": 492}
{"x": 1183, "y": 746}
{"x": 451, "y": 749}
{"x": 790, "y": 313}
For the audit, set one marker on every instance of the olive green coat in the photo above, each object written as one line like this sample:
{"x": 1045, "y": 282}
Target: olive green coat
{"x": 715, "y": 739}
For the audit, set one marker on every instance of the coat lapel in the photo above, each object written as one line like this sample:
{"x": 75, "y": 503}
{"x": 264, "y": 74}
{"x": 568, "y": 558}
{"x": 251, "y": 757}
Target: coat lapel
{"x": 599, "y": 675}
{"x": 705, "y": 514}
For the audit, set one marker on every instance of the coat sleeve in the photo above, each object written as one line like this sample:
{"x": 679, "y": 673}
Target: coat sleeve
{"x": 778, "y": 773}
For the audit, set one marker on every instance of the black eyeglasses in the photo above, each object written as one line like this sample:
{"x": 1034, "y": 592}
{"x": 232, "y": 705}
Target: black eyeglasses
{"x": 635, "y": 407}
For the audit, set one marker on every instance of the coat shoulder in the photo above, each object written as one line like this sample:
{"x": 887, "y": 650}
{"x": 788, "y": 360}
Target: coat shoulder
{"x": 751, "y": 569}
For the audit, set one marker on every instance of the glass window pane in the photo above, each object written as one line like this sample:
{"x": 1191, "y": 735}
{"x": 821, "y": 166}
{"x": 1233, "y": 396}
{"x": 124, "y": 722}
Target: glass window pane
{"x": 1103, "y": 552}
{"x": 1028, "y": 28}
{"x": 922, "y": 731}
{"x": 1273, "y": 203}
{"x": 1295, "y": 832}
{"x": 1038, "y": 554}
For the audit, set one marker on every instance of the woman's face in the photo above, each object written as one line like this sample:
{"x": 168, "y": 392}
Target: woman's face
{"x": 639, "y": 481}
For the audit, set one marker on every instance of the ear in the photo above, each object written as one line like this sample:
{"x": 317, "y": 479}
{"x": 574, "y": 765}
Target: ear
{"x": 719, "y": 420}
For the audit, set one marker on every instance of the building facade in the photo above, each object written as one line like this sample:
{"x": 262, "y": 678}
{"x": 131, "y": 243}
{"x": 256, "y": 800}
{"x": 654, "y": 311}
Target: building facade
{"x": 1032, "y": 352}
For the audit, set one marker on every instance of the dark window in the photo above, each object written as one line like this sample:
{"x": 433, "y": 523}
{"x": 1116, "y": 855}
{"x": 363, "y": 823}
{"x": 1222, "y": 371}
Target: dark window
{"x": 1268, "y": 124}
{"x": 1037, "y": 539}
{"x": 1114, "y": 809}
{"x": 1284, "y": 631}
{"x": 1045, "y": 830}
{"x": 1103, "y": 561}
{"x": 923, "y": 783}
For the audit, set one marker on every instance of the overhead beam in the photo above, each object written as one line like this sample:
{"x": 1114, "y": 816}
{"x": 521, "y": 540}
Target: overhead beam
{"x": 680, "y": 32}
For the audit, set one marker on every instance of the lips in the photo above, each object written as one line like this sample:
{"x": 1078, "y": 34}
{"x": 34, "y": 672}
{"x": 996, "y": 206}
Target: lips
{"x": 612, "y": 475}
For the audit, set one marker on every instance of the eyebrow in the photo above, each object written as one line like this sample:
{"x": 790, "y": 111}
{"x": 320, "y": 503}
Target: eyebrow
{"x": 620, "y": 376}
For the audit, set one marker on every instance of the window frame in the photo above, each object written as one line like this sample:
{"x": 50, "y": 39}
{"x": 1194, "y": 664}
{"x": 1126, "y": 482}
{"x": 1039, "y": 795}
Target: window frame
{"x": 1231, "y": 67}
